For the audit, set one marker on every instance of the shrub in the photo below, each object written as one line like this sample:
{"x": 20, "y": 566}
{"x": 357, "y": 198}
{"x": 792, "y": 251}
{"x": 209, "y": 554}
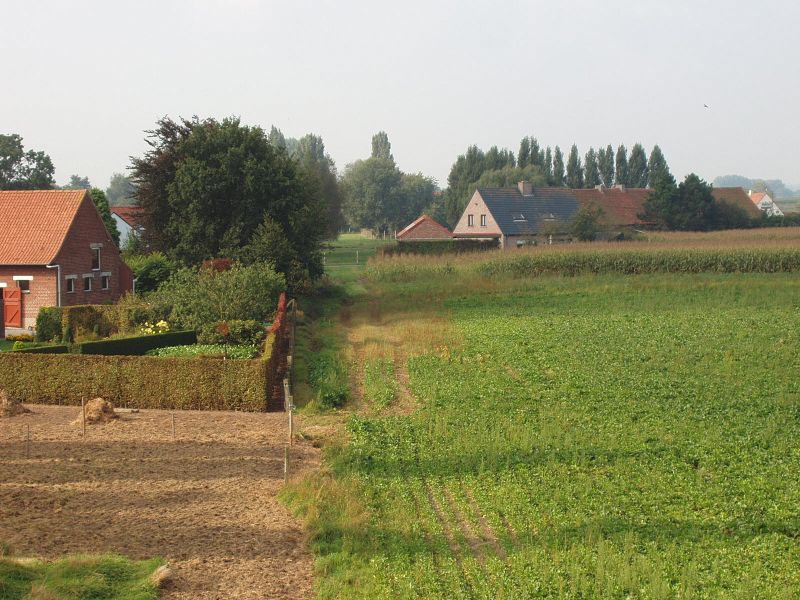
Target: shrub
{"x": 88, "y": 321}
{"x": 133, "y": 312}
{"x": 21, "y": 337}
{"x": 138, "y": 345}
{"x": 48, "y": 324}
{"x": 151, "y": 270}
{"x": 235, "y": 352}
{"x": 203, "y": 297}
{"x": 46, "y": 349}
{"x": 455, "y": 246}
{"x": 249, "y": 333}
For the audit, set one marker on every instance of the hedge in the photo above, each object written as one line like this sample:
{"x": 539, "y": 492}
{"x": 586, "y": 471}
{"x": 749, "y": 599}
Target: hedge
{"x": 136, "y": 346}
{"x": 52, "y": 349}
{"x": 454, "y": 246}
{"x": 136, "y": 381}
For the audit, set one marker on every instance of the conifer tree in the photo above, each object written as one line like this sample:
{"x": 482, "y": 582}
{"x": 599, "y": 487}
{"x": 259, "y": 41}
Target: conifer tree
{"x": 605, "y": 163}
{"x": 524, "y": 155}
{"x": 657, "y": 167}
{"x": 621, "y": 166}
{"x": 558, "y": 168}
{"x": 536, "y": 152}
{"x": 637, "y": 167}
{"x": 548, "y": 166}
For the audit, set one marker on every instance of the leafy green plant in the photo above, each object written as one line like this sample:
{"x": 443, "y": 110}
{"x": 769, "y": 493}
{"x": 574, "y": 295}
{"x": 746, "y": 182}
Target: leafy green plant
{"x": 232, "y": 351}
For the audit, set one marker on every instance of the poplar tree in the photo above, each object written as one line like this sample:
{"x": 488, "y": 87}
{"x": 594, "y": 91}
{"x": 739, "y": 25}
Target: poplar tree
{"x": 574, "y": 169}
{"x": 591, "y": 171}
{"x": 657, "y": 167}
{"x": 548, "y": 166}
{"x": 605, "y": 163}
{"x": 621, "y": 166}
{"x": 536, "y": 152}
{"x": 558, "y": 168}
{"x": 524, "y": 155}
{"x": 637, "y": 167}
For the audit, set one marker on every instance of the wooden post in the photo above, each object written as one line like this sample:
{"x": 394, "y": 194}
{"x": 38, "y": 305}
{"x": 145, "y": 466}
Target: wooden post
{"x": 173, "y": 425}
{"x": 291, "y": 421}
{"x": 356, "y": 256}
{"x": 285, "y": 465}
{"x": 28, "y": 441}
{"x": 83, "y": 416}
{"x": 285, "y": 393}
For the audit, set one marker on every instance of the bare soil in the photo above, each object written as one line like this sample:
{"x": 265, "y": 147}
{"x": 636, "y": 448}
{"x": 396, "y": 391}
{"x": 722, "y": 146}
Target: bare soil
{"x": 205, "y": 501}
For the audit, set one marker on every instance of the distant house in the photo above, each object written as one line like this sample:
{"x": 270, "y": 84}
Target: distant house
{"x": 765, "y": 204}
{"x": 523, "y": 215}
{"x": 55, "y": 251}
{"x": 424, "y": 229}
{"x": 128, "y": 220}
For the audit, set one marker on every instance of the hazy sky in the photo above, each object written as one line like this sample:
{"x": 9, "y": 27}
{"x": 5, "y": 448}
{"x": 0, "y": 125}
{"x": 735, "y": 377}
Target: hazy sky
{"x": 82, "y": 80}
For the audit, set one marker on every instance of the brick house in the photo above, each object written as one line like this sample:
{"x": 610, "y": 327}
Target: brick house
{"x": 128, "y": 220}
{"x": 424, "y": 229}
{"x": 55, "y": 251}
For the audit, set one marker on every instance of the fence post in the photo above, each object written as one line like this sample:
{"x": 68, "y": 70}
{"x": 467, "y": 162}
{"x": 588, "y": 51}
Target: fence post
{"x": 285, "y": 465}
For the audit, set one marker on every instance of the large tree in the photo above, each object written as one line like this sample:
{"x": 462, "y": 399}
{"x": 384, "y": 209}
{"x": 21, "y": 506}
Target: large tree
{"x": 689, "y": 206}
{"x": 20, "y": 170}
{"x": 605, "y": 162}
{"x": 372, "y": 190}
{"x": 381, "y": 148}
{"x": 101, "y": 203}
{"x": 591, "y": 171}
{"x": 657, "y": 167}
{"x": 463, "y": 174}
{"x": 558, "y": 168}
{"x": 621, "y": 166}
{"x": 120, "y": 190}
{"x": 548, "y": 166}
{"x": 524, "y": 154}
{"x": 76, "y": 182}
{"x": 210, "y": 188}
{"x": 574, "y": 169}
{"x": 310, "y": 154}
{"x": 637, "y": 167}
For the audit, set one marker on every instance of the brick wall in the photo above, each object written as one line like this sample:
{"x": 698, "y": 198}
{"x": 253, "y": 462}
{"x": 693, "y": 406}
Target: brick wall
{"x": 75, "y": 258}
{"x": 42, "y": 290}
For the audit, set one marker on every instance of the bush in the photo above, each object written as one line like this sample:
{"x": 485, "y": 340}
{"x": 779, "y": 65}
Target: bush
{"x": 138, "y": 345}
{"x": 151, "y": 270}
{"x": 238, "y": 352}
{"x": 48, "y": 324}
{"x": 455, "y": 246}
{"x": 204, "y": 297}
{"x": 135, "y": 381}
{"x": 88, "y": 321}
{"x": 248, "y": 333}
{"x": 44, "y": 349}
{"x": 133, "y": 312}
{"x": 22, "y": 337}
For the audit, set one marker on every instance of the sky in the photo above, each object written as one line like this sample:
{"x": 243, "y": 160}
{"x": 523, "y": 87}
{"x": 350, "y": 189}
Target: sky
{"x": 83, "y": 80}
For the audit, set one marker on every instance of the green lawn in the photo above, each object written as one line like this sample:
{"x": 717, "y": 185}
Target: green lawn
{"x": 5, "y": 345}
{"x": 104, "y": 577}
{"x": 346, "y": 257}
{"x": 585, "y": 437}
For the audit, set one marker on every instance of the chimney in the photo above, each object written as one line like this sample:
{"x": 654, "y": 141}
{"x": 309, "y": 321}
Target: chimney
{"x": 620, "y": 187}
{"x": 525, "y": 188}
{"x": 600, "y": 188}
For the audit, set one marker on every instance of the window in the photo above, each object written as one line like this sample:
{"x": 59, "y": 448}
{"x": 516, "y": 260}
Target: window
{"x": 87, "y": 283}
{"x": 483, "y": 220}
{"x": 71, "y": 283}
{"x": 519, "y": 217}
{"x": 470, "y": 220}
{"x": 105, "y": 281}
{"x": 23, "y": 282}
{"x": 95, "y": 259}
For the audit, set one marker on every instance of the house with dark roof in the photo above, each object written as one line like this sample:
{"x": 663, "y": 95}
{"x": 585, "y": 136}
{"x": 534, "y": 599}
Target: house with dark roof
{"x": 128, "y": 220}
{"x": 424, "y": 229}
{"x": 55, "y": 251}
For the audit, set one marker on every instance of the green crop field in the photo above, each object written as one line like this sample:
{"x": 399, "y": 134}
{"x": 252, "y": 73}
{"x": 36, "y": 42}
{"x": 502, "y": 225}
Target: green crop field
{"x": 596, "y": 436}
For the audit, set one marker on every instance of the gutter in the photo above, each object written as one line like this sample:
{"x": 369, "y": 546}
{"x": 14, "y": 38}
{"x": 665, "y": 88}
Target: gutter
{"x": 58, "y": 281}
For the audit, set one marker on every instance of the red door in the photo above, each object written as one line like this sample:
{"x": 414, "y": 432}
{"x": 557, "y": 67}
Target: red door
{"x": 12, "y": 304}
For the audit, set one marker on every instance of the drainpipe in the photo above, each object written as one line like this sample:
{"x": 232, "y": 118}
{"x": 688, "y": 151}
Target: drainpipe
{"x": 58, "y": 282}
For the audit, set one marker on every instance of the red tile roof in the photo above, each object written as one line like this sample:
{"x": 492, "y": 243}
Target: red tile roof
{"x": 425, "y": 228}
{"x": 34, "y": 224}
{"x": 738, "y": 197}
{"x": 757, "y": 197}
{"x": 132, "y": 215}
{"x": 620, "y": 207}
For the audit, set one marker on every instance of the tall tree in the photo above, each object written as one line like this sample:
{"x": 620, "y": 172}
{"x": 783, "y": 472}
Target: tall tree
{"x": 76, "y": 182}
{"x": 276, "y": 137}
{"x": 315, "y": 162}
{"x": 685, "y": 207}
{"x": 591, "y": 171}
{"x": 537, "y": 157}
{"x": 101, "y": 203}
{"x": 465, "y": 171}
{"x": 372, "y": 192}
{"x": 637, "y": 167}
{"x": 416, "y": 195}
{"x": 210, "y": 189}
{"x": 558, "y": 168}
{"x": 524, "y": 154}
{"x": 493, "y": 159}
{"x": 20, "y": 170}
{"x": 605, "y": 163}
{"x": 548, "y": 166}
{"x": 381, "y": 148}
{"x": 574, "y": 169}
{"x": 120, "y": 190}
{"x": 621, "y": 166}
{"x": 657, "y": 167}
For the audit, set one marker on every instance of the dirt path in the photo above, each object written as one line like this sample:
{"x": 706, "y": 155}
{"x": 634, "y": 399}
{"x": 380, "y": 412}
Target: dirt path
{"x": 204, "y": 501}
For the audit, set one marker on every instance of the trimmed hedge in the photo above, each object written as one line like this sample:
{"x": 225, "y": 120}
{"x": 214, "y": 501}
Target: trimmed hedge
{"x": 48, "y": 324}
{"x": 454, "y": 246}
{"x": 88, "y": 320}
{"x": 136, "y": 381}
{"x": 57, "y": 349}
{"x": 137, "y": 346}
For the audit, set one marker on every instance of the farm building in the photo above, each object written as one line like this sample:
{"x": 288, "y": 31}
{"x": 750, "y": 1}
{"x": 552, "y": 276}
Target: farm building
{"x": 765, "y": 204}
{"x": 523, "y": 215}
{"x": 128, "y": 220}
{"x": 424, "y": 229}
{"x": 54, "y": 251}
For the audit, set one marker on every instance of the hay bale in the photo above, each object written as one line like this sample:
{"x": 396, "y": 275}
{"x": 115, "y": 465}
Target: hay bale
{"x": 97, "y": 411}
{"x": 10, "y": 407}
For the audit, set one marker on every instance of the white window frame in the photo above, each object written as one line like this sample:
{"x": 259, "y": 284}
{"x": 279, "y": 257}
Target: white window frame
{"x": 27, "y": 279}
{"x": 74, "y": 280}
{"x": 470, "y": 220}
{"x": 90, "y": 278}
{"x": 107, "y": 277}
{"x": 483, "y": 220}
{"x": 3, "y": 284}
{"x": 97, "y": 248}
